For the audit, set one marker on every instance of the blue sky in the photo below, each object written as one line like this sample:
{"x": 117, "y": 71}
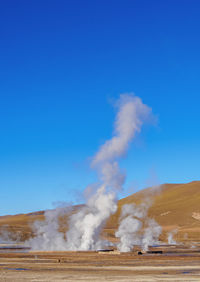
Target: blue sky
{"x": 62, "y": 65}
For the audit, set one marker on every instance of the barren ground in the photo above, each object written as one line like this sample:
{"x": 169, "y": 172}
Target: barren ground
{"x": 174, "y": 264}
{"x": 174, "y": 206}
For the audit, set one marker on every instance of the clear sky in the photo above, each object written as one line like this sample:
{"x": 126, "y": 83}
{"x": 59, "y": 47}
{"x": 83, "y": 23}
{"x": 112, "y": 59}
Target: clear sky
{"x": 62, "y": 63}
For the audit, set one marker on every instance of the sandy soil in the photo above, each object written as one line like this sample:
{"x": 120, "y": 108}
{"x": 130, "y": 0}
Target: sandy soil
{"x": 175, "y": 264}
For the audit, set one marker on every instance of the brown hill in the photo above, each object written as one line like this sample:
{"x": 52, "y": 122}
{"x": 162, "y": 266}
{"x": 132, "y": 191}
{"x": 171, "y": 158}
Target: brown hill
{"x": 173, "y": 206}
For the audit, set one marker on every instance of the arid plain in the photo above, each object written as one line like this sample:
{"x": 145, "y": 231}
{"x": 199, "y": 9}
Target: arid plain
{"x": 174, "y": 206}
{"x": 171, "y": 265}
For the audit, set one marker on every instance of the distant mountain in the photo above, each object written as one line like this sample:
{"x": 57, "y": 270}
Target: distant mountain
{"x": 173, "y": 206}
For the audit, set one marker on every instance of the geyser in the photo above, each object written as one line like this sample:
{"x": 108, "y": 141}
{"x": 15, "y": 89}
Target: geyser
{"x": 85, "y": 225}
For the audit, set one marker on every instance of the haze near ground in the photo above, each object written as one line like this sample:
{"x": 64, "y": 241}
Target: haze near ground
{"x": 174, "y": 207}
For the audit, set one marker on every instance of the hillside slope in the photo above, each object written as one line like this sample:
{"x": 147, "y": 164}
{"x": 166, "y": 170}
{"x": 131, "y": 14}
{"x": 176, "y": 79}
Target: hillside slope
{"x": 173, "y": 206}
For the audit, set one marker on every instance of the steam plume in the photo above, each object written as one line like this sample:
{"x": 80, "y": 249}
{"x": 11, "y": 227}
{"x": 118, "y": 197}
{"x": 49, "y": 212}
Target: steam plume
{"x": 136, "y": 228}
{"x": 170, "y": 238}
{"x": 86, "y": 224}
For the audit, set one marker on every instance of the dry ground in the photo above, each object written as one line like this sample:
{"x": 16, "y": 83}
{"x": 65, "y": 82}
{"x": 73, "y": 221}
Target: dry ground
{"x": 173, "y": 206}
{"x": 175, "y": 264}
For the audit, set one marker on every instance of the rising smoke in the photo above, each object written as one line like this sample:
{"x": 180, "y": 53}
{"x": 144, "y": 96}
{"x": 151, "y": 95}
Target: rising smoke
{"x": 85, "y": 225}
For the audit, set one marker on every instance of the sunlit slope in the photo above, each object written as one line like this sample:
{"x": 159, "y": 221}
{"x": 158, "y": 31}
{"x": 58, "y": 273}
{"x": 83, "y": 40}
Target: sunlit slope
{"x": 172, "y": 206}
{"x": 19, "y": 226}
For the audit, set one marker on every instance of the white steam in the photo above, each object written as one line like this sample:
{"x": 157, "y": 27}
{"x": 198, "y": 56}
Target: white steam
{"x": 47, "y": 235}
{"x": 7, "y": 237}
{"x": 86, "y": 224}
{"x": 136, "y": 228}
{"x": 151, "y": 234}
{"x": 170, "y": 237}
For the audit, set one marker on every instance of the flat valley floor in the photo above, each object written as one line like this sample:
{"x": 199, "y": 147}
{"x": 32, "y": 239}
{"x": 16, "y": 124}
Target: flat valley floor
{"x": 174, "y": 264}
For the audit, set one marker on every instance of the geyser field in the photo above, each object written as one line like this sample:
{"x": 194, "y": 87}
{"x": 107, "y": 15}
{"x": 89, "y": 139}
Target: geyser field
{"x": 152, "y": 235}
{"x": 85, "y": 224}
